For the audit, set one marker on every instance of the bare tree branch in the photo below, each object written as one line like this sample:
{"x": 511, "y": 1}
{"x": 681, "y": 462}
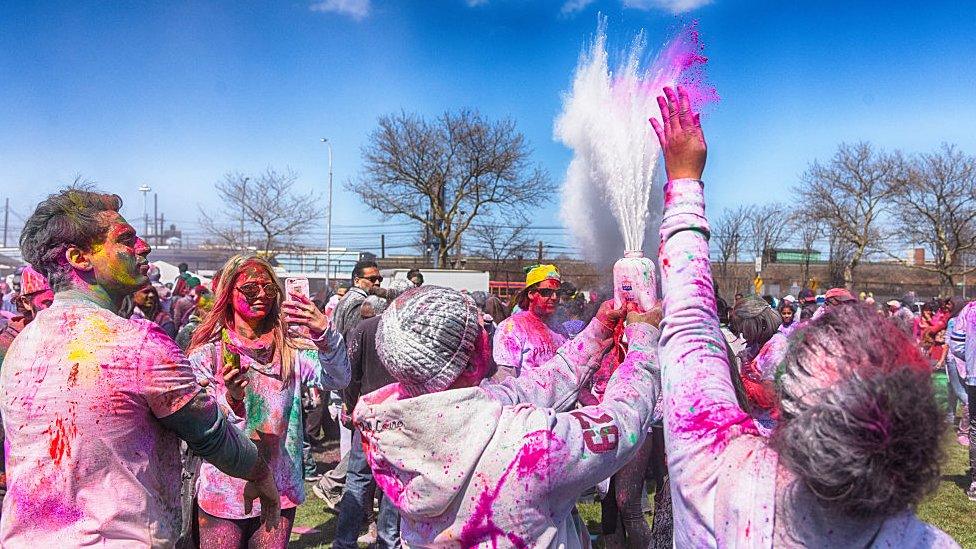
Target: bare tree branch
{"x": 447, "y": 173}
{"x": 850, "y": 196}
{"x": 938, "y": 202}
{"x": 730, "y": 232}
{"x": 263, "y": 212}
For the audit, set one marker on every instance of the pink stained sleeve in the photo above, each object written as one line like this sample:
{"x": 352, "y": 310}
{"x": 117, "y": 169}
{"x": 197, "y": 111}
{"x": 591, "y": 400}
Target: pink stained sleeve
{"x": 167, "y": 379}
{"x": 601, "y": 439}
{"x": 701, "y": 413}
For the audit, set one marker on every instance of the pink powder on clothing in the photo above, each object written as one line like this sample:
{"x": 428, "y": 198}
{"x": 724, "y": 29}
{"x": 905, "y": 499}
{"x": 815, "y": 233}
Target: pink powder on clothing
{"x": 719, "y": 421}
{"x": 41, "y": 508}
{"x": 533, "y": 458}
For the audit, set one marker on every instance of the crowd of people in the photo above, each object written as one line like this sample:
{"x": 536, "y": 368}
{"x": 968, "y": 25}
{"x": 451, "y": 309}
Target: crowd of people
{"x": 141, "y": 412}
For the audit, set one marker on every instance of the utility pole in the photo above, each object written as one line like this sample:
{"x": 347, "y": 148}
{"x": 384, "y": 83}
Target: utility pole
{"x": 382, "y": 246}
{"x": 540, "y": 251}
{"x": 155, "y": 219}
{"x": 6, "y": 218}
{"x": 328, "y": 230}
{"x": 243, "y": 199}
{"x": 144, "y": 189}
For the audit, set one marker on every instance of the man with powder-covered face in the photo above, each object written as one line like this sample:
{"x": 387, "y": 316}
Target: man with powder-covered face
{"x": 94, "y": 405}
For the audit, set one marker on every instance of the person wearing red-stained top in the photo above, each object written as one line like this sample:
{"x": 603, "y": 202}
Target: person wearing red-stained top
{"x": 828, "y": 476}
{"x": 531, "y": 336}
{"x": 94, "y": 405}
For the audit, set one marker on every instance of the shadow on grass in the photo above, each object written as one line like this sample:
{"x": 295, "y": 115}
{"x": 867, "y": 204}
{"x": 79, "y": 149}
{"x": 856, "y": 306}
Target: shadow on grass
{"x": 962, "y": 481}
{"x": 322, "y": 538}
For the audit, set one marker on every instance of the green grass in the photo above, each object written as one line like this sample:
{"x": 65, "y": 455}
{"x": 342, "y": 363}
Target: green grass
{"x": 948, "y": 508}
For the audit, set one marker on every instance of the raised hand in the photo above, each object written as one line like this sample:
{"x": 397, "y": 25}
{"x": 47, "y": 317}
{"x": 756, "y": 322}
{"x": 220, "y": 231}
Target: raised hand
{"x": 680, "y": 135}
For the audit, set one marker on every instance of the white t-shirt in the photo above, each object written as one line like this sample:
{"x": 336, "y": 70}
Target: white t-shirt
{"x": 88, "y": 463}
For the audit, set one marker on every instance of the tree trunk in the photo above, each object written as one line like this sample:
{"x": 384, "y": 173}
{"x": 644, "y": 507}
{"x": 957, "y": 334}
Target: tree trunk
{"x": 948, "y": 285}
{"x": 849, "y": 275}
{"x": 443, "y": 254}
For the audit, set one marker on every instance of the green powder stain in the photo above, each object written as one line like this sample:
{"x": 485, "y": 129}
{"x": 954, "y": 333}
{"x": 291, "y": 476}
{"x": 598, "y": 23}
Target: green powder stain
{"x": 257, "y": 410}
{"x": 633, "y": 438}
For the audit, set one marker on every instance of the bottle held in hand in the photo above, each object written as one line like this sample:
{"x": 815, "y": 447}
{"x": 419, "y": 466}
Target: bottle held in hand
{"x": 634, "y": 282}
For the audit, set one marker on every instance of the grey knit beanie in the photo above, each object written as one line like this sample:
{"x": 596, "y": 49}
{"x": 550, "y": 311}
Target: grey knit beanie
{"x": 426, "y": 337}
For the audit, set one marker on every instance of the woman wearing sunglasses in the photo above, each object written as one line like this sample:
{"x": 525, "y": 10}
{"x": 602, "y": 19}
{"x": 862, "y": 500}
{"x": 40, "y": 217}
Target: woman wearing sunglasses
{"x": 531, "y": 336}
{"x": 256, "y": 367}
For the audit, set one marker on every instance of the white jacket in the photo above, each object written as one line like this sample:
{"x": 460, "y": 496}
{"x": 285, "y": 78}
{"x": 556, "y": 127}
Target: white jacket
{"x": 497, "y": 465}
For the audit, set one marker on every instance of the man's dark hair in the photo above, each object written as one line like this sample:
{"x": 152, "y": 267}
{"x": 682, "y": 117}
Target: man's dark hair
{"x": 415, "y": 273}
{"x": 183, "y": 267}
{"x": 361, "y": 267}
{"x": 68, "y": 218}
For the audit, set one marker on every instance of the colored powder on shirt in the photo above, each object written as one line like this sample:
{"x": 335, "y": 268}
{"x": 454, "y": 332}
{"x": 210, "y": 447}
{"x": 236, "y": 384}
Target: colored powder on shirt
{"x": 719, "y": 420}
{"x": 43, "y": 509}
{"x": 534, "y": 458}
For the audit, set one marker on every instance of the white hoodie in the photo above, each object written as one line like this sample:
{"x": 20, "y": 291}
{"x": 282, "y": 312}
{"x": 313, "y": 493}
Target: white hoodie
{"x": 498, "y": 465}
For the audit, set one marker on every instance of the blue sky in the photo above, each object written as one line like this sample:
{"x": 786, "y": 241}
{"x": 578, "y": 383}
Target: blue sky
{"x": 174, "y": 94}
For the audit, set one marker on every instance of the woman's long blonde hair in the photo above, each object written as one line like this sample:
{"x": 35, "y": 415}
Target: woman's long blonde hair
{"x": 222, "y": 314}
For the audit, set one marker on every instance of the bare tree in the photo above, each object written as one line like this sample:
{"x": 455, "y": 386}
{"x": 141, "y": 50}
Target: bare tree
{"x": 839, "y": 254}
{"x": 501, "y": 241}
{"x": 267, "y": 206}
{"x": 767, "y": 228}
{"x": 447, "y": 173}
{"x": 850, "y": 195}
{"x": 938, "y": 201}
{"x": 806, "y": 232}
{"x": 729, "y": 233}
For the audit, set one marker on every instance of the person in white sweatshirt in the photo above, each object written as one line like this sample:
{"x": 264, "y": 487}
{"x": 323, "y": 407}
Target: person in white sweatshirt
{"x": 473, "y": 463}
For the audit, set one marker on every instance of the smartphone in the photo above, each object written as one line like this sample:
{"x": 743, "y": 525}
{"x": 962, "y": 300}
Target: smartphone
{"x": 298, "y": 285}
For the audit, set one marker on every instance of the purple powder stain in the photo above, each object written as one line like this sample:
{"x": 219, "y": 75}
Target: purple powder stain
{"x": 43, "y": 508}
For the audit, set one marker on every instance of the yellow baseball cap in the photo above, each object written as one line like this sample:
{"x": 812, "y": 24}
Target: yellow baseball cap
{"x": 539, "y": 273}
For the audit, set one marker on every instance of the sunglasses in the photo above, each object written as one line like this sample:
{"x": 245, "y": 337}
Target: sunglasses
{"x": 546, "y": 292}
{"x": 374, "y": 279}
{"x": 252, "y": 290}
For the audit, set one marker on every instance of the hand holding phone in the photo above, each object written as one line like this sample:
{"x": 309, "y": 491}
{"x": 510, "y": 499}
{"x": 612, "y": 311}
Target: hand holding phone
{"x": 300, "y": 311}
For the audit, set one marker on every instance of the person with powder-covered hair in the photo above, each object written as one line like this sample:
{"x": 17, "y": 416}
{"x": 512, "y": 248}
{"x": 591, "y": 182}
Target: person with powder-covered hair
{"x": 472, "y": 463}
{"x": 857, "y": 444}
{"x": 759, "y": 325}
{"x": 94, "y": 405}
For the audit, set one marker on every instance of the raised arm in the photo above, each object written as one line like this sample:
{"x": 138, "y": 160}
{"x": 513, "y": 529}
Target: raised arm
{"x": 701, "y": 413}
{"x": 333, "y": 361}
{"x": 556, "y": 383}
{"x": 591, "y": 443}
{"x": 330, "y": 369}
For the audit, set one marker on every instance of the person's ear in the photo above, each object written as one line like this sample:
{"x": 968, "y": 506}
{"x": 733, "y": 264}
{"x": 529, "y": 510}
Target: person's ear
{"x": 78, "y": 259}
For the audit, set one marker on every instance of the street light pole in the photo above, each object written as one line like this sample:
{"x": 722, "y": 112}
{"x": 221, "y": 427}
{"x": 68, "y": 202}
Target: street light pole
{"x": 328, "y": 237}
{"x": 243, "y": 200}
{"x": 144, "y": 189}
